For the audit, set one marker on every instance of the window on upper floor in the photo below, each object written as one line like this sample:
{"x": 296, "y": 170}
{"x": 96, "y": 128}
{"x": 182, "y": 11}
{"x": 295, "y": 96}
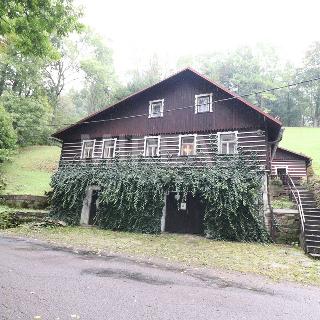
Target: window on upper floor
{"x": 187, "y": 145}
{"x": 227, "y": 142}
{"x": 87, "y": 149}
{"x": 203, "y": 103}
{"x": 156, "y": 108}
{"x": 152, "y": 146}
{"x": 109, "y": 148}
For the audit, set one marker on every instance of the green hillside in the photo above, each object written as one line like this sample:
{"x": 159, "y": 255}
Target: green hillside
{"x": 30, "y": 170}
{"x": 304, "y": 140}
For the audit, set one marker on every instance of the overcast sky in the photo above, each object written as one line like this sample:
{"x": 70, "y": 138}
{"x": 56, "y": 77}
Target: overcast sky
{"x": 171, "y": 28}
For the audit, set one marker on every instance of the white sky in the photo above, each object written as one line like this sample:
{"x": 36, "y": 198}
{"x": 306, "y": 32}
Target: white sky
{"x": 139, "y": 28}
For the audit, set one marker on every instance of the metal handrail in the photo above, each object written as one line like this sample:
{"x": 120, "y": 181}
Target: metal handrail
{"x": 296, "y": 194}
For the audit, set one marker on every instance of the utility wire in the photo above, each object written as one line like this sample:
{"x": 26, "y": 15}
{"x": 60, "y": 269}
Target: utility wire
{"x": 187, "y": 107}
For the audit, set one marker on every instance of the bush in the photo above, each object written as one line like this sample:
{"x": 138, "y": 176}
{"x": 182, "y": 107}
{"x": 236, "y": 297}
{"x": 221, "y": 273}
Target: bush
{"x": 7, "y": 219}
{"x": 8, "y": 137}
{"x": 314, "y": 186}
{"x": 132, "y": 194}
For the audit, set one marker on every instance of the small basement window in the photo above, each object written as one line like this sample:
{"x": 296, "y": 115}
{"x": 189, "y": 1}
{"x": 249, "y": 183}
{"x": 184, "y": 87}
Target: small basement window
{"x": 156, "y": 108}
{"x": 228, "y": 142}
{"x": 152, "y": 146}
{"x": 187, "y": 145}
{"x": 87, "y": 149}
{"x": 109, "y": 148}
{"x": 203, "y": 103}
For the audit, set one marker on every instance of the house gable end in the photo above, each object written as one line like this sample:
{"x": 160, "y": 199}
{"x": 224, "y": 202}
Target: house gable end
{"x": 130, "y": 116}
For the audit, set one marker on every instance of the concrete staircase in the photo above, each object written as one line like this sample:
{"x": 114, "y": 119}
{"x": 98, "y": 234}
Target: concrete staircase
{"x": 312, "y": 222}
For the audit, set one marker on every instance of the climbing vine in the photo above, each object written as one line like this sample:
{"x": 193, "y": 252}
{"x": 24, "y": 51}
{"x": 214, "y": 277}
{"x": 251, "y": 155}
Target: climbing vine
{"x": 132, "y": 194}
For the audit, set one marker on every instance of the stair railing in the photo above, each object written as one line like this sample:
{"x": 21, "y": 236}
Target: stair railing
{"x": 296, "y": 194}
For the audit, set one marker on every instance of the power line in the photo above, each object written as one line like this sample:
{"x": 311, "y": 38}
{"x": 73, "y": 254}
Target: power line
{"x": 186, "y": 107}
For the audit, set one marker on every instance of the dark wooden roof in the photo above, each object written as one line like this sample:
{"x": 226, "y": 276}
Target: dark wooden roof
{"x": 273, "y": 124}
{"x": 285, "y": 154}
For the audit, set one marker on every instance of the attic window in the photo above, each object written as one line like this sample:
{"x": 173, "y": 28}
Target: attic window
{"x": 109, "y": 148}
{"x": 187, "y": 145}
{"x": 203, "y": 103}
{"x": 156, "y": 108}
{"x": 228, "y": 142}
{"x": 87, "y": 149}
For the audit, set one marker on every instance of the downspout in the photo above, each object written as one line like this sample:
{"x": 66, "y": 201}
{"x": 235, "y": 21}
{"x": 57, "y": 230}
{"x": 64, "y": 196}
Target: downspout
{"x": 276, "y": 143}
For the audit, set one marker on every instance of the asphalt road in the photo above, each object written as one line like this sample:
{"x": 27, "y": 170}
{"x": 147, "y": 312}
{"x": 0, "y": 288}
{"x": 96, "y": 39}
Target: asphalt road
{"x": 42, "y": 282}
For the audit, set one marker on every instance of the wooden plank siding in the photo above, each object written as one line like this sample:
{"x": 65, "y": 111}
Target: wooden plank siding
{"x": 130, "y": 117}
{"x": 252, "y": 141}
{"x": 296, "y": 164}
{"x": 295, "y": 168}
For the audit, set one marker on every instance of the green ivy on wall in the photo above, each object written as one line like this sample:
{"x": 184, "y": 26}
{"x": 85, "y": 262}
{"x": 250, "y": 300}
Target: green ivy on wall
{"x": 132, "y": 194}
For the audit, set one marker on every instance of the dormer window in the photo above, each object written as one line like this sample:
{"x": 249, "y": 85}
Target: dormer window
{"x": 152, "y": 146}
{"x": 87, "y": 149}
{"x": 187, "y": 145}
{"x": 227, "y": 142}
{"x": 203, "y": 103}
{"x": 109, "y": 148}
{"x": 156, "y": 108}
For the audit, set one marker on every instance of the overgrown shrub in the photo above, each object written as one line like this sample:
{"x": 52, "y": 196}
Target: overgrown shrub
{"x": 314, "y": 186}
{"x": 7, "y": 219}
{"x": 132, "y": 195}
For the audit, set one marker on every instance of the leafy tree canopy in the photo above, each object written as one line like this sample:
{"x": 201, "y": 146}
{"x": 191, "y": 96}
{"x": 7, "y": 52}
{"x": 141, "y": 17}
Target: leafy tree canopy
{"x": 8, "y": 137}
{"x": 30, "y": 25}
{"x": 30, "y": 117}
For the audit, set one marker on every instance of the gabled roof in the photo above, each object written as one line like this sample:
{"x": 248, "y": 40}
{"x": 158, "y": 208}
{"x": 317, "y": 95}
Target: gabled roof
{"x": 232, "y": 94}
{"x": 300, "y": 155}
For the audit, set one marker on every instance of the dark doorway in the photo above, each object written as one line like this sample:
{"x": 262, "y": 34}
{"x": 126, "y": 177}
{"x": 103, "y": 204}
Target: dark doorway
{"x": 184, "y": 217}
{"x": 282, "y": 174}
{"x": 93, "y": 207}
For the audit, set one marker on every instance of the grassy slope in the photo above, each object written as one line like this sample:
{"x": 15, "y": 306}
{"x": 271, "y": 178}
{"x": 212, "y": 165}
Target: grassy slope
{"x": 30, "y": 170}
{"x": 304, "y": 140}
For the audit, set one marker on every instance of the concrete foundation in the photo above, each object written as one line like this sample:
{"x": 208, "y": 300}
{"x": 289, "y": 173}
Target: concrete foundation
{"x": 85, "y": 212}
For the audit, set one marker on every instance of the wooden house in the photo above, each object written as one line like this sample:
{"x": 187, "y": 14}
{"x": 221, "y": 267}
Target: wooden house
{"x": 290, "y": 162}
{"x": 172, "y": 120}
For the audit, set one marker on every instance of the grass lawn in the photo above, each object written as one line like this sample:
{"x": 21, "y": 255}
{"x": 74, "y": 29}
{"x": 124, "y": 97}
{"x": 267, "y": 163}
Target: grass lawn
{"x": 30, "y": 170}
{"x": 4, "y": 208}
{"x": 304, "y": 140}
{"x": 278, "y": 262}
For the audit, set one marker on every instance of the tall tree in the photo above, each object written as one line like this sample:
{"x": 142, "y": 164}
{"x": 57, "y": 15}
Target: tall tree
{"x": 100, "y": 79}
{"x": 145, "y": 77}
{"x": 30, "y": 25}
{"x": 20, "y": 74}
{"x": 311, "y": 91}
{"x": 8, "y": 137}
{"x": 60, "y": 73}
{"x": 30, "y": 117}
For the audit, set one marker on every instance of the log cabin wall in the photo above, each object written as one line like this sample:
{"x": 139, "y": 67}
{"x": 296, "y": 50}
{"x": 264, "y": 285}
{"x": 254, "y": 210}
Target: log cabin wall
{"x": 295, "y": 164}
{"x": 250, "y": 141}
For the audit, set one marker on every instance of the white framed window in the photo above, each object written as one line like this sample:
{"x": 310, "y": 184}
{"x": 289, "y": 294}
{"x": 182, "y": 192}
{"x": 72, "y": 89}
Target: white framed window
{"x": 187, "y": 145}
{"x": 87, "y": 149}
{"x": 151, "y": 146}
{"x": 228, "y": 142}
{"x": 109, "y": 148}
{"x": 156, "y": 108}
{"x": 203, "y": 103}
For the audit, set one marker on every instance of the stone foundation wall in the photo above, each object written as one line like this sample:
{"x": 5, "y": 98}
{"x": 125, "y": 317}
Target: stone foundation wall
{"x": 24, "y": 201}
{"x": 286, "y": 226}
